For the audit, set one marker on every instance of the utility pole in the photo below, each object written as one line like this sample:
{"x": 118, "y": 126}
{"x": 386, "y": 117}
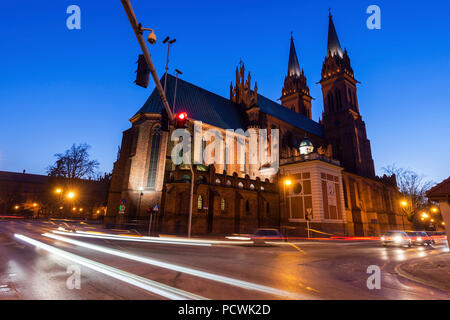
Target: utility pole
{"x": 191, "y": 200}
{"x": 138, "y": 32}
{"x": 169, "y": 42}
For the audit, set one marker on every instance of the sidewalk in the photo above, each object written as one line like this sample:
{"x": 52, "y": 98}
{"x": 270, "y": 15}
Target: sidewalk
{"x": 433, "y": 271}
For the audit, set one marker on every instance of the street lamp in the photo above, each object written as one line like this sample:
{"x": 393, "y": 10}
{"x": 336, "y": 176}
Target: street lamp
{"x": 58, "y": 190}
{"x": 71, "y": 195}
{"x": 169, "y": 43}
{"x": 287, "y": 183}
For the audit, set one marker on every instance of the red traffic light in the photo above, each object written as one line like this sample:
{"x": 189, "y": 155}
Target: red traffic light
{"x": 182, "y": 116}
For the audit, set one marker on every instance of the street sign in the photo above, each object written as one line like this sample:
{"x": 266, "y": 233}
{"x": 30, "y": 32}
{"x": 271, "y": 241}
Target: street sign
{"x": 123, "y": 201}
{"x": 122, "y": 209}
{"x": 156, "y": 208}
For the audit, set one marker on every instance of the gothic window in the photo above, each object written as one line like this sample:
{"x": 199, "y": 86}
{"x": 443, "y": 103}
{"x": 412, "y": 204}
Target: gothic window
{"x": 339, "y": 100}
{"x": 330, "y": 102}
{"x": 154, "y": 157}
{"x": 200, "y": 203}
{"x": 247, "y": 207}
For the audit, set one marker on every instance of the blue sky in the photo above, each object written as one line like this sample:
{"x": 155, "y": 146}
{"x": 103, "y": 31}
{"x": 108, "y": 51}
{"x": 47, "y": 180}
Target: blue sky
{"x": 61, "y": 86}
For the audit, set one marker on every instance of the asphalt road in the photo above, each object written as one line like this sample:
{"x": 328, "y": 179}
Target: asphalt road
{"x": 300, "y": 270}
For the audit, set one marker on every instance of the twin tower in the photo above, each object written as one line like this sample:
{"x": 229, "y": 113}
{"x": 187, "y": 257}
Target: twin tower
{"x": 343, "y": 126}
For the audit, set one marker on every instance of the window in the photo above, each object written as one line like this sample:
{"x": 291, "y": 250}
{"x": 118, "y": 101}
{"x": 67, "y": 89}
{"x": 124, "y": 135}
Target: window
{"x": 223, "y": 204}
{"x": 247, "y": 208}
{"x": 154, "y": 157}
{"x": 200, "y": 203}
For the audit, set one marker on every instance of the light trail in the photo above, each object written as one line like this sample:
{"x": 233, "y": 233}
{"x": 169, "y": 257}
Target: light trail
{"x": 201, "y": 274}
{"x": 181, "y": 241}
{"x": 130, "y": 278}
{"x": 127, "y": 238}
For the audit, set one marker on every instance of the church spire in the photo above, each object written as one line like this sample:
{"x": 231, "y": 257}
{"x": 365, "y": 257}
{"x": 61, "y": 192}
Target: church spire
{"x": 293, "y": 66}
{"x": 334, "y": 46}
{"x": 295, "y": 92}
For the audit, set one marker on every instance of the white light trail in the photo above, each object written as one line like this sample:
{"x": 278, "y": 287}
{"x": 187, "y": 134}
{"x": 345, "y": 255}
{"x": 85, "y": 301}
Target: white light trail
{"x": 130, "y": 278}
{"x": 128, "y": 238}
{"x": 201, "y": 274}
{"x": 180, "y": 241}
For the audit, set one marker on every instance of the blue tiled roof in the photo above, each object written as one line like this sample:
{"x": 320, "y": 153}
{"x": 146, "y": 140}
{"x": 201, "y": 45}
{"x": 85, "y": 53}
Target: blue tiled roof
{"x": 297, "y": 120}
{"x": 208, "y": 107}
{"x": 199, "y": 104}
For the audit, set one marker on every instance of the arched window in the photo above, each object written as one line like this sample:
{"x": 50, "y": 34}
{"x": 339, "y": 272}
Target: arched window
{"x": 154, "y": 157}
{"x": 338, "y": 100}
{"x": 223, "y": 204}
{"x": 247, "y": 207}
{"x": 200, "y": 203}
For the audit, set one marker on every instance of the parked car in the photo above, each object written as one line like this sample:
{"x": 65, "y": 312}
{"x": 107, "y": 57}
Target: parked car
{"x": 420, "y": 238}
{"x": 263, "y": 235}
{"x": 397, "y": 238}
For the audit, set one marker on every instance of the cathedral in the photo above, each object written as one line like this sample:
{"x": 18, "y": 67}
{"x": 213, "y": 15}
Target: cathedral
{"x": 325, "y": 182}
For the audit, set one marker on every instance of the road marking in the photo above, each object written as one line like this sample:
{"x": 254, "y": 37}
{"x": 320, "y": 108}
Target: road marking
{"x": 312, "y": 289}
{"x": 297, "y": 248}
{"x": 130, "y": 278}
{"x": 201, "y": 274}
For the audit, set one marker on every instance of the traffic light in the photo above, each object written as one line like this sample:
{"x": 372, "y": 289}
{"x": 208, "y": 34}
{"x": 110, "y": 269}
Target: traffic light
{"x": 181, "y": 120}
{"x": 164, "y": 120}
{"x": 142, "y": 72}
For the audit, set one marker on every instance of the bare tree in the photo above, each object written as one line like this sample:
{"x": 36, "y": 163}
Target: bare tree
{"x": 74, "y": 163}
{"x": 413, "y": 188}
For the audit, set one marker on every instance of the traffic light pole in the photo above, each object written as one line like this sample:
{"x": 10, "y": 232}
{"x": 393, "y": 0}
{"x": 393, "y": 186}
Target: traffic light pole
{"x": 138, "y": 32}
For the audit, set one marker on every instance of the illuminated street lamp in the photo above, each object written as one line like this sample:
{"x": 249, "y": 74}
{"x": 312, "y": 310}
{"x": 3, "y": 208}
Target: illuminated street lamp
{"x": 58, "y": 190}
{"x": 443, "y": 223}
{"x": 434, "y": 209}
{"x": 16, "y": 207}
{"x": 71, "y": 195}
{"x": 425, "y": 215}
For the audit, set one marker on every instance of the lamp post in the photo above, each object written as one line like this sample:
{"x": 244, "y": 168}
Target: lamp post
{"x": 139, "y": 204}
{"x": 191, "y": 200}
{"x": 286, "y": 183}
{"x": 169, "y": 43}
{"x": 406, "y": 209}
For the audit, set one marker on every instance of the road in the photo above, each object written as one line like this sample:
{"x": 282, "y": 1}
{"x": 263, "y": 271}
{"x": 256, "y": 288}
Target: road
{"x": 154, "y": 270}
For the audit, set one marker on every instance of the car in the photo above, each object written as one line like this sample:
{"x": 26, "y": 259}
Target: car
{"x": 397, "y": 238}
{"x": 263, "y": 235}
{"x": 420, "y": 238}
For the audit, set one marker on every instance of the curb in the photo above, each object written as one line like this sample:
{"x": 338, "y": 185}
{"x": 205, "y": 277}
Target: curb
{"x": 413, "y": 278}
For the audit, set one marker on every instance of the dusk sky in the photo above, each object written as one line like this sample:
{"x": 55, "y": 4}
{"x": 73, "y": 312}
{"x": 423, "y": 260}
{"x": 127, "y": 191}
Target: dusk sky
{"x": 61, "y": 86}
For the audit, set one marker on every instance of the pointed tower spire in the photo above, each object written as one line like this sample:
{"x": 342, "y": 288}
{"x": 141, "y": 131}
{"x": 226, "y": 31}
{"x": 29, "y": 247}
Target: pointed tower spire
{"x": 333, "y": 47}
{"x": 293, "y": 66}
{"x": 295, "y": 93}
